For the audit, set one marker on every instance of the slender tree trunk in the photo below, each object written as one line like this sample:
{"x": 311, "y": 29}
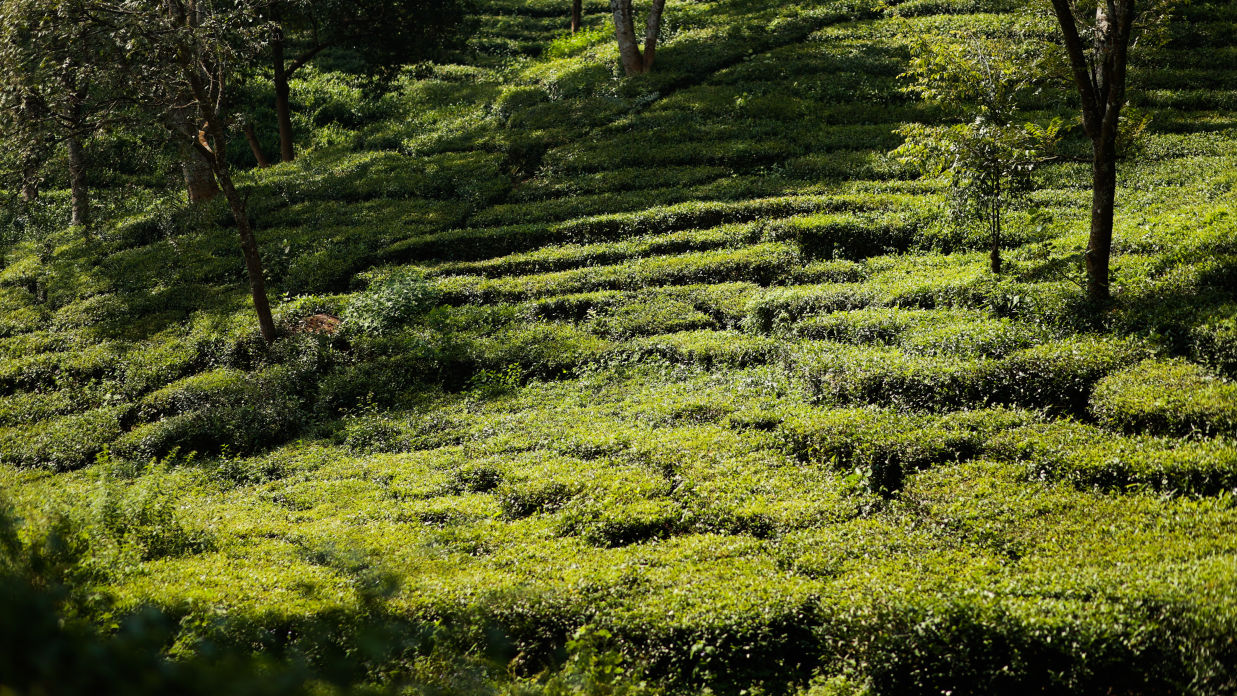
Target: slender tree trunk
{"x": 625, "y": 33}
{"x": 79, "y": 194}
{"x": 1103, "y": 201}
{"x": 29, "y": 180}
{"x": 249, "y": 247}
{"x": 283, "y": 110}
{"x": 652, "y": 27}
{"x": 1100, "y": 79}
{"x": 256, "y": 147}
{"x": 994, "y": 223}
{"x": 577, "y": 11}
{"x": 199, "y": 178}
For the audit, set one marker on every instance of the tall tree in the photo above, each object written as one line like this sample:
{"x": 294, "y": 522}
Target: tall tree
{"x": 55, "y": 88}
{"x": 186, "y": 55}
{"x": 387, "y": 33}
{"x": 635, "y": 61}
{"x": 1097, "y": 41}
{"x": 577, "y": 13}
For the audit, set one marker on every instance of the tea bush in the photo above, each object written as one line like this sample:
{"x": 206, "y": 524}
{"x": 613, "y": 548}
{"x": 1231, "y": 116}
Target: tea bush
{"x": 677, "y": 374}
{"x": 64, "y": 443}
{"x": 1166, "y": 398}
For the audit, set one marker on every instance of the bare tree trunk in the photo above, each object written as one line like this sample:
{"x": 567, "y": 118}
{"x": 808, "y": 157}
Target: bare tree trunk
{"x": 249, "y": 248}
{"x": 577, "y": 11}
{"x": 1100, "y": 79}
{"x": 199, "y": 178}
{"x": 256, "y": 147}
{"x": 625, "y": 33}
{"x": 1103, "y": 202}
{"x": 283, "y": 110}
{"x": 652, "y": 27}
{"x": 29, "y": 180}
{"x": 634, "y": 61}
{"x": 79, "y": 194}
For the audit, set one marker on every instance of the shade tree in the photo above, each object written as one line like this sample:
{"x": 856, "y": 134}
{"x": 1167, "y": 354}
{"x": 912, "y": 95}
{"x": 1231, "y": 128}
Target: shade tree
{"x": 386, "y": 33}
{"x": 636, "y": 61}
{"x": 58, "y": 87}
{"x": 186, "y": 57}
{"x": 1096, "y": 38}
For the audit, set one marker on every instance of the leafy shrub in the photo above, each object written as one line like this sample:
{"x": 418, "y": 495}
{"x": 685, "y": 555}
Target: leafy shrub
{"x": 143, "y": 516}
{"x": 393, "y": 367}
{"x": 1215, "y": 344}
{"x": 1059, "y": 375}
{"x": 62, "y": 443}
{"x": 25, "y": 408}
{"x": 978, "y": 337}
{"x": 654, "y": 315}
{"x": 1088, "y": 457}
{"x": 1166, "y": 398}
{"x": 242, "y": 412}
{"x": 543, "y": 349}
{"x": 392, "y": 301}
{"x": 705, "y": 348}
{"x": 783, "y": 306}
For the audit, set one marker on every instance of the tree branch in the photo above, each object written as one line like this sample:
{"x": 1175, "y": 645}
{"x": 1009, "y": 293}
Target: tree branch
{"x": 305, "y": 58}
{"x": 1079, "y": 67}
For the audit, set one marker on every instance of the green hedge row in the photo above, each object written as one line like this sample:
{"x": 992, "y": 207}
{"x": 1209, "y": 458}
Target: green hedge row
{"x": 1087, "y": 457}
{"x": 548, "y": 186}
{"x": 1057, "y": 376}
{"x": 883, "y": 446}
{"x": 244, "y": 412}
{"x": 921, "y": 331}
{"x": 565, "y": 257}
{"x": 481, "y": 243}
{"x": 705, "y": 348}
{"x": 1167, "y": 398}
{"x": 62, "y": 443}
{"x": 761, "y": 263}
{"x": 725, "y": 303}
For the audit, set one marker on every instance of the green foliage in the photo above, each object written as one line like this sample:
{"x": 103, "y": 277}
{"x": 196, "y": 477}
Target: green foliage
{"x": 1167, "y": 398}
{"x": 989, "y": 160}
{"x": 393, "y": 300}
{"x": 63, "y": 443}
{"x": 689, "y": 361}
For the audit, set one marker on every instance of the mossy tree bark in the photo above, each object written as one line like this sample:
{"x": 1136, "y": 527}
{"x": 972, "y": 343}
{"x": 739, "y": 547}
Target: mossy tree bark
{"x": 199, "y": 179}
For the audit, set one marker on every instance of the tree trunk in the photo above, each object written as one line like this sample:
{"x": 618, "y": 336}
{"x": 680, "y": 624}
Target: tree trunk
{"x": 652, "y": 27}
{"x": 1100, "y": 79}
{"x": 994, "y": 223}
{"x": 283, "y": 111}
{"x": 29, "y": 180}
{"x": 80, "y": 196}
{"x": 994, "y": 256}
{"x": 199, "y": 178}
{"x": 625, "y": 33}
{"x": 577, "y": 11}
{"x": 1103, "y": 200}
{"x": 256, "y": 147}
{"x": 249, "y": 248}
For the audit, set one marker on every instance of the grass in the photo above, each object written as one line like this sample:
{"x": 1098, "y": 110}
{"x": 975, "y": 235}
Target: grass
{"x": 679, "y": 375}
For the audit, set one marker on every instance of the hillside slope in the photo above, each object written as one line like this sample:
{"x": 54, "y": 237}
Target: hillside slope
{"x": 686, "y": 358}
